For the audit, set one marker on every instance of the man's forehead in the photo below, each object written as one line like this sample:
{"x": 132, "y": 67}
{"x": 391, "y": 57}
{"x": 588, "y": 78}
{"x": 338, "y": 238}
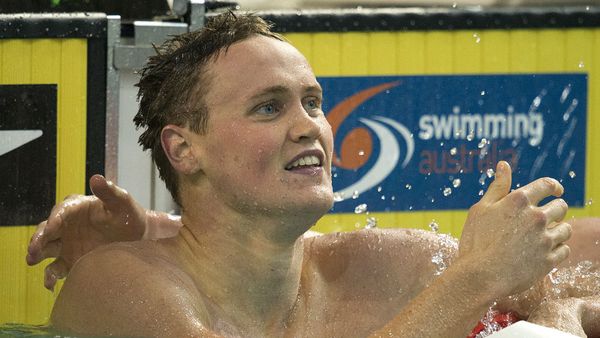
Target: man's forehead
{"x": 257, "y": 63}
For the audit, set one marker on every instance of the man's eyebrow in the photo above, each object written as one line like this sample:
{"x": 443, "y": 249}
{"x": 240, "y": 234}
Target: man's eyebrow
{"x": 268, "y": 91}
{"x": 282, "y": 89}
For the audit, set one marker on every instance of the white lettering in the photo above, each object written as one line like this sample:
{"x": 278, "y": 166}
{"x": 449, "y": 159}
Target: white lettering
{"x": 491, "y": 126}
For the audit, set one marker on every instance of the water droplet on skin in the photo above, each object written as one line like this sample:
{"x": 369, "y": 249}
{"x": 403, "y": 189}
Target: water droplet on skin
{"x": 482, "y": 143}
{"x": 490, "y": 172}
{"x": 361, "y": 208}
{"x": 371, "y": 223}
{"x": 355, "y": 194}
{"x": 453, "y": 151}
{"x": 434, "y": 226}
{"x": 361, "y": 153}
{"x": 438, "y": 260}
{"x": 456, "y": 182}
{"x": 408, "y": 186}
{"x": 571, "y": 174}
{"x": 447, "y": 191}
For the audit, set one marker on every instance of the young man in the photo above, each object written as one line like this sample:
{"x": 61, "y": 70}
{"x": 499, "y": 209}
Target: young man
{"x": 233, "y": 118}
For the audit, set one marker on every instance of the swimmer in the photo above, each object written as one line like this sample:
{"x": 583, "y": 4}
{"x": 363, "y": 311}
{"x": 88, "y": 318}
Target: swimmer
{"x": 232, "y": 115}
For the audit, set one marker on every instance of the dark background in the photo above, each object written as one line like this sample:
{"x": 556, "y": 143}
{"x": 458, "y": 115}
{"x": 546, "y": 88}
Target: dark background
{"x": 28, "y": 173}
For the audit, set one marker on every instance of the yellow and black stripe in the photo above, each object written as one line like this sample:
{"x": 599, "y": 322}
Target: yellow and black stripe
{"x": 65, "y": 56}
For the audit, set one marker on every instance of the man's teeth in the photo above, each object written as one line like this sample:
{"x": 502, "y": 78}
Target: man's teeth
{"x": 305, "y": 161}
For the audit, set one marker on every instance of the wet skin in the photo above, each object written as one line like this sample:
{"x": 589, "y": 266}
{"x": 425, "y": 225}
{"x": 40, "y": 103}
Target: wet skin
{"x": 240, "y": 265}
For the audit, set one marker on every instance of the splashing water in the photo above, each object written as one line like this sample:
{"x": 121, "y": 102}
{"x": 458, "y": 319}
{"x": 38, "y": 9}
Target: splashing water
{"x": 408, "y": 186}
{"x": 453, "y": 151}
{"x": 438, "y": 260}
{"x": 456, "y": 182}
{"x": 471, "y": 135}
{"x": 571, "y": 174}
{"x": 482, "y": 179}
{"x": 447, "y": 191}
{"x": 482, "y": 143}
{"x": 477, "y": 38}
{"x": 338, "y": 197}
{"x": 361, "y": 208}
{"x": 371, "y": 223}
{"x": 490, "y": 173}
{"x": 434, "y": 226}
{"x": 355, "y": 194}
{"x": 489, "y": 325}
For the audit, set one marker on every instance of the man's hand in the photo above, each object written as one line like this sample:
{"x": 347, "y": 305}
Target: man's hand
{"x": 517, "y": 241}
{"x": 81, "y": 223}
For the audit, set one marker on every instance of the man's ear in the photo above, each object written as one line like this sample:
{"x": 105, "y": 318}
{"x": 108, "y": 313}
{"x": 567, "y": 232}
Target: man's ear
{"x": 176, "y": 143}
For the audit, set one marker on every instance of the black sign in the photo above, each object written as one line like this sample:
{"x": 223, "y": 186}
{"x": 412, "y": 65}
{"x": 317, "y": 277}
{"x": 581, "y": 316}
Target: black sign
{"x": 27, "y": 153}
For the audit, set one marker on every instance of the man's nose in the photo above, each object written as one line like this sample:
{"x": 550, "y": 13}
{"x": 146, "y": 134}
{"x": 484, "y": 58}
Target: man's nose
{"x": 304, "y": 126}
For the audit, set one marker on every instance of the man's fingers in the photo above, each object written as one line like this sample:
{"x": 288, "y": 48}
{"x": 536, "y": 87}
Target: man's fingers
{"x": 46, "y": 232}
{"x": 51, "y": 249}
{"x": 560, "y": 233}
{"x": 555, "y": 210}
{"x": 501, "y": 185}
{"x": 34, "y": 250}
{"x": 55, "y": 271}
{"x": 109, "y": 193}
{"x": 542, "y": 188}
{"x": 559, "y": 254}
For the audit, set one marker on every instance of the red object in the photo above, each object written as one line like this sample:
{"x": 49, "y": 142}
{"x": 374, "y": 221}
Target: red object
{"x": 502, "y": 319}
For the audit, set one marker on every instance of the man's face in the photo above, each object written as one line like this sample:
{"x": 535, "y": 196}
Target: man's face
{"x": 268, "y": 145}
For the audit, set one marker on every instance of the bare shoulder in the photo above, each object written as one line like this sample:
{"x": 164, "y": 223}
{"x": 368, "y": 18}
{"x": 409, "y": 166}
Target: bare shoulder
{"x": 383, "y": 257}
{"x": 127, "y": 289}
{"x": 398, "y": 241}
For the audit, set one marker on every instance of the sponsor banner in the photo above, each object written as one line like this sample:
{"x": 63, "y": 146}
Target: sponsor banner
{"x": 27, "y": 153}
{"x": 432, "y": 142}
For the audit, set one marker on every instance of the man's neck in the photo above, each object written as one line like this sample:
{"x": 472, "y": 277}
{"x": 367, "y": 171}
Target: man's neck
{"x": 250, "y": 281}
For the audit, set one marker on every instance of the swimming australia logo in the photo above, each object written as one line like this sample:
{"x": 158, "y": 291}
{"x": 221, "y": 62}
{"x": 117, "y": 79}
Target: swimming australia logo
{"x": 431, "y": 142}
{"x": 356, "y": 147}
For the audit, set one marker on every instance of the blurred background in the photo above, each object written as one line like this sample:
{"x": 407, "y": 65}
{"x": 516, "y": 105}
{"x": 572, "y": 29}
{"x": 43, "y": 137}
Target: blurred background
{"x": 72, "y": 75}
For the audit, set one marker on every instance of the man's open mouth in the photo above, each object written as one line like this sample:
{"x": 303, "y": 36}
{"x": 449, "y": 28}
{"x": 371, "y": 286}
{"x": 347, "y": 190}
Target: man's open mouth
{"x": 306, "y": 161}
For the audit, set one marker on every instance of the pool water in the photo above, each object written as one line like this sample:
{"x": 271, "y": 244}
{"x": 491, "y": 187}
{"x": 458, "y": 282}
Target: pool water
{"x": 23, "y": 330}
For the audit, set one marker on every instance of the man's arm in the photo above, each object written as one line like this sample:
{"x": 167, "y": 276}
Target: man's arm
{"x": 578, "y": 316}
{"x": 506, "y": 246}
{"x": 115, "y": 292}
{"x": 81, "y": 223}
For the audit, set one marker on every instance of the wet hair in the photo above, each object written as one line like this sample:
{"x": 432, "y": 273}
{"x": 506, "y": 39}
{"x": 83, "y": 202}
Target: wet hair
{"x": 174, "y": 82}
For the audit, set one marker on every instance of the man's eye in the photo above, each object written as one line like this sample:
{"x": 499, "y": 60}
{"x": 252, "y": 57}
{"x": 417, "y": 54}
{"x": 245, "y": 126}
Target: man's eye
{"x": 268, "y": 109}
{"x": 312, "y": 104}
